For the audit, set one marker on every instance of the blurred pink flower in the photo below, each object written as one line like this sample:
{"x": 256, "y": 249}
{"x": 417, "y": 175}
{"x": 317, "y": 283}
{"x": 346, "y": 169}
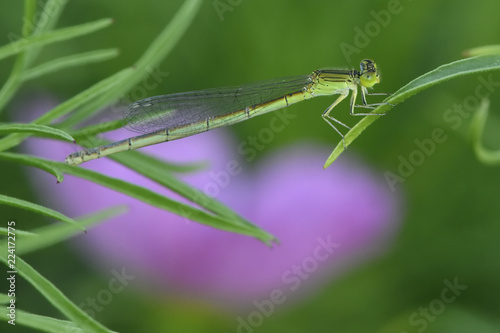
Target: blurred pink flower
{"x": 325, "y": 220}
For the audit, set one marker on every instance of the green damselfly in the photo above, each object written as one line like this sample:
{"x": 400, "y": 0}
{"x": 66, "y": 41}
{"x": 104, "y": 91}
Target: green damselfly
{"x": 171, "y": 117}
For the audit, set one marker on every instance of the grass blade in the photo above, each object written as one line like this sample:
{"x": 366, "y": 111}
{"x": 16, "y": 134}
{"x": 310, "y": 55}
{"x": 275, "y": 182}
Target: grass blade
{"x": 4, "y": 299}
{"x": 482, "y": 50}
{"x": 52, "y": 11}
{"x": 157, "y": 200}
{"x": 40, "y": 164}
{"x": 89, "y": 131}
{"x": 37, "y": 130}
{"x": 7, "y": 200}
{"x": 57, "y": 232}
{"x": 66, "y": 107}
{"x": 14, "y": 79}
{"x": 42, "y": 323}
{"x": 68, "y": 62}
{"x": 5, "y": 231}
{"x": 56, "y": 297}
{"x": 154, "y": 169}
{"x": 46, "y": 38}
{"x": 151, "y": 58}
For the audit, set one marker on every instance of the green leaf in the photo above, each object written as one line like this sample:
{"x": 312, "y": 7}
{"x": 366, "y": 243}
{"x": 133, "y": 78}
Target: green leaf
{"x": 38, "y": 130}
{"x": 69, "y": 61}
{"x": 28, "y": 55}
{"x": 482, "y": 50}
{"x": 160, "y": 166}
{"x": 41, "y": 323}
{"x": 40, "y": 164}
{"x": 151, "y": 58}
{"x": 5, "y": 231}
{"x": 154, "y": 169}
{"x": 85, "y": 96}
{"x": 58, "y": 232}
{"x": 158, "y": 171}
{"x": 232, "y": 224}
{"x": 66, "y": 107}
{"x": 14, "y": 80}
{"x": 52, "y": 10}
{"x": 89, "y": 131}
{"x": 56, "y": 297}
{"x": 10, "y": 201}
{"x": 29, "y": 17}
{"x": 4, "y": 299}
{"x": 160, "y": 201}
{"x": 438, "y": 75}
{"x": 484, "y": 155}
{"x": 46, "y": 38}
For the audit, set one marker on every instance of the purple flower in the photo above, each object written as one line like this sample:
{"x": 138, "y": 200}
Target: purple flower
{"x": 325, "y": 220}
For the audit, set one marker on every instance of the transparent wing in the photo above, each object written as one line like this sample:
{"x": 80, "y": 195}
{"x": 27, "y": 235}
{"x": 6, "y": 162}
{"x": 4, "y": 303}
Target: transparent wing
{"x": 182, "y": 109}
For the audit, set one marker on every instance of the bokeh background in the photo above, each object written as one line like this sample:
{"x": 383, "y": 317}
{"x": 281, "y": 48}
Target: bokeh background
{"x": 450, "y": 229}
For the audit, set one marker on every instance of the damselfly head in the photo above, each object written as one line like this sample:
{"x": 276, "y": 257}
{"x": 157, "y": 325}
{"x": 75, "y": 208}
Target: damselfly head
{"x": 369, "y": 75}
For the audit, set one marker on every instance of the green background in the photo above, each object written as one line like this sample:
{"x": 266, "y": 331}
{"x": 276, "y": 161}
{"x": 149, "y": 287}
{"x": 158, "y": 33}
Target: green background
{"x": 451, "y": 223}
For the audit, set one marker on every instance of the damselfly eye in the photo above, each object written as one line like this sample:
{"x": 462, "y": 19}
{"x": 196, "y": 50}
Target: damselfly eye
{"x": 369, "y": 79}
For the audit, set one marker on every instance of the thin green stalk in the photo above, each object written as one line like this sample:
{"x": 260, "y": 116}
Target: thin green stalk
{"x": 483, "y": 154}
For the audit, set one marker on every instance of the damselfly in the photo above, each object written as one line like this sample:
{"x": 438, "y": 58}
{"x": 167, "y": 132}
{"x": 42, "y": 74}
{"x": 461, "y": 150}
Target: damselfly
{"x": 170, "y": 117}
